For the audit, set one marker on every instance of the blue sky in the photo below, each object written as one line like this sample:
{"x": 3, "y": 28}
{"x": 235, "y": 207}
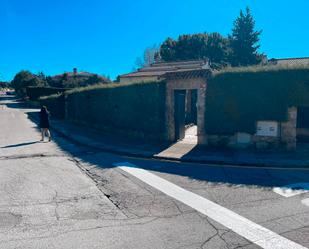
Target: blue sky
{"x": 106, "y": 37}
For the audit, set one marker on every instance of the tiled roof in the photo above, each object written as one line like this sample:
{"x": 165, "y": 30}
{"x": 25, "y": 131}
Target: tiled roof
{"x": 159, "y": 69}
{"x": 290, "y": 61}
{"x": 188, "y": 74}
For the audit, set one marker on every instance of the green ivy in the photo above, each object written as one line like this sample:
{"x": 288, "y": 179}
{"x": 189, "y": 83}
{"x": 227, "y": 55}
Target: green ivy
{"x": 235, "y": 101}
{"x": 134, "y": 108}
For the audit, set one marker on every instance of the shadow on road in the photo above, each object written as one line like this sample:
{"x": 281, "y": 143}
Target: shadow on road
{"x": 235, "y": 175}
{"x": 19, "y": 145}
{"x": 5, "y": 97}
{"x": 17, "y": 105}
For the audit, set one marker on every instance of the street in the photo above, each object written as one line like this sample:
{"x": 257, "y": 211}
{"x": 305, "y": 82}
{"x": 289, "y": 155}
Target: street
{"x": 63, "y": 195}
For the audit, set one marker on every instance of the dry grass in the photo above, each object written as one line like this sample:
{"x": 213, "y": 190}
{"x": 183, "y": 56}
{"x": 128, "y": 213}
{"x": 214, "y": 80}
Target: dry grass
{"x": 261, "y": 68}
{"x": 101, "y": 86}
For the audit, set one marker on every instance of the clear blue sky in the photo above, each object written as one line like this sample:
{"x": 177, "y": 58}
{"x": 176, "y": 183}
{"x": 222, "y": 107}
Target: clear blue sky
{"x": 105, "y": 36}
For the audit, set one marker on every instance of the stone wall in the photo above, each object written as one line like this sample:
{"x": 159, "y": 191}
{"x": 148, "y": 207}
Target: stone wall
{"x": 289, "y": 129}
{"x": 286, "y": 139}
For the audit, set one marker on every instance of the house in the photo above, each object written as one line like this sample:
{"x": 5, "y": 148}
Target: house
{"x": 155, "y": 71}
{"x": 75, "y": 78}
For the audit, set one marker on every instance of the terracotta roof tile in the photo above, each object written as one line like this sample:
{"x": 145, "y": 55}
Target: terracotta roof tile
{"x": 159, "y": 69}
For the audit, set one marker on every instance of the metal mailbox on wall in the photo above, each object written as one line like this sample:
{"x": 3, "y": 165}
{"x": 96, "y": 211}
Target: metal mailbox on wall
{"x": 267, "y": 128}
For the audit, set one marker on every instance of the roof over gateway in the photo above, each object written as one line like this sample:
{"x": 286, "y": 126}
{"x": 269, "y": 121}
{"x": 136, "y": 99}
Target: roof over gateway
{"x": 187, "y": 74}
{"x": 160, "y": 69}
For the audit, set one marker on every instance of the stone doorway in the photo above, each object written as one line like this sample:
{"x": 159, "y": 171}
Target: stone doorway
{"x": 185, "y": 105}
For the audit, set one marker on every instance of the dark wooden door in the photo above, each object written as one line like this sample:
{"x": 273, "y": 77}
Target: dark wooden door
{"x": 194, "y": 106}
{"x": 180, "y": 113}
{"x": 303, "y": 124}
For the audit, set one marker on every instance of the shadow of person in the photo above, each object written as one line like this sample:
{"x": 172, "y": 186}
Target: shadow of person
{"x": 19, "y": 145}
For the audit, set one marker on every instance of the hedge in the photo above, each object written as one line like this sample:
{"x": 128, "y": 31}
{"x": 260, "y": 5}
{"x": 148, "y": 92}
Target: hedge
{"x": 55, "y": 104}
{"x": 34, "y": 93}
{"x": 136, "y": 109}
{"x": 235, "y": 101}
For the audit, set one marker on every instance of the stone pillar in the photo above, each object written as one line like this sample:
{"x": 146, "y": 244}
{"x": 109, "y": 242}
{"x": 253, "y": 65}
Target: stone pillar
{"x": 201, "y": 107}
{"x": 288, "y": 129}
{"x": 169, "y": 114}
{"x": 66, "y": 114}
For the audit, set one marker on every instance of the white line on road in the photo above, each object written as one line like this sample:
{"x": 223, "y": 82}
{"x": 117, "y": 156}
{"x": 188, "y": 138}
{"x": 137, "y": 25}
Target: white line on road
{"x": 251, "y": 231}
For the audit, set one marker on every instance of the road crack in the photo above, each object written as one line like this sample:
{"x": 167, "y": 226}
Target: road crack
{"x": 30, "y": 156}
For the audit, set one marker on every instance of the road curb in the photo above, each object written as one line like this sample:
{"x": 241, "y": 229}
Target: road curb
{"x": 136, "y": 154}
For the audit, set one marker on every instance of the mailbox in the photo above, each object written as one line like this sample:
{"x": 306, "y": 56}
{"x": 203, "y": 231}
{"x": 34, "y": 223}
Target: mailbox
{"x": 267, "y": 129}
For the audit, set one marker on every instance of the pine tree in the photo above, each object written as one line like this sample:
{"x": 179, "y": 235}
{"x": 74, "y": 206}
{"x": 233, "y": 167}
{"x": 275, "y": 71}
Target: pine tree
{"x": 244, "y": 41}
{"x": 167, "y": 50}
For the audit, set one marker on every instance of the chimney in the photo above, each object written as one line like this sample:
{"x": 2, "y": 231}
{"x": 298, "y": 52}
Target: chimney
{"x": 74, "y": 71}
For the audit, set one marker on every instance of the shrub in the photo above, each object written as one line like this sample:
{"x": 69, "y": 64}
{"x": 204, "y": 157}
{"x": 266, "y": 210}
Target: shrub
{"x": 25, "y": 79}
{"x": 55, "y": 105}
{"x": 236, "y": 99}
{"x": 34, "y": 93}
{"x": 134, "y": 108}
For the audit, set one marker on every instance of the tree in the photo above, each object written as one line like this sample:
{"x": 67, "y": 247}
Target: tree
{"x": 24, "y": 79}
{"x": 150, "y": 56}
{"x": 3, "y": 85}
{"x": 168, "y": 50}
{"x": 217, "y": 50}
{"x": 244, "y": 41}
{"x": 96, "y": 79}
{"x": 196, "y": 47}
{"x": 42, "y": 78}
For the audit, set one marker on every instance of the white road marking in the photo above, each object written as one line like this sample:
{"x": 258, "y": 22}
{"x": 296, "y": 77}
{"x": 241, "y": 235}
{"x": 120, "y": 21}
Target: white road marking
{"x": 292, "y": 189}
{"x": 251, "y": 231}
{"x": 305, "y": 202}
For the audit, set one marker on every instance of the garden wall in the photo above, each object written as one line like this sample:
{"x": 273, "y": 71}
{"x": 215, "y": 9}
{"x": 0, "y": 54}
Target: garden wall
{"x": 135, "y": 109}
{"x": 55, "y": 105}
{"x": 235, "y": 101}
{"x": 34, "y": 92}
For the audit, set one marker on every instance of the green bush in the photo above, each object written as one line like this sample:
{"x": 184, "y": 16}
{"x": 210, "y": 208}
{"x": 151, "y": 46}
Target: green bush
{"x": 55, "y": 105}
{"x": 137, "y": 109}
{"x": 34, "y": 93}
{"x": 24, "y": 79}
{"x": 236, "y": 100}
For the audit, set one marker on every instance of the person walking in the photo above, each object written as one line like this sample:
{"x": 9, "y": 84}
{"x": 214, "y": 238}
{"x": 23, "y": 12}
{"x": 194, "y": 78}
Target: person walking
{"x": 44, "y": 123}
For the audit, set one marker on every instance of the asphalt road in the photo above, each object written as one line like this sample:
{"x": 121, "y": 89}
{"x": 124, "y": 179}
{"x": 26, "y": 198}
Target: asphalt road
{"x": 60, "y": 195}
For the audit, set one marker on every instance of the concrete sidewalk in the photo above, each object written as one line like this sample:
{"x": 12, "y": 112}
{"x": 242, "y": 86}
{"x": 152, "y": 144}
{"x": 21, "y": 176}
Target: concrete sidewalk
{"x": 181, "y": 151}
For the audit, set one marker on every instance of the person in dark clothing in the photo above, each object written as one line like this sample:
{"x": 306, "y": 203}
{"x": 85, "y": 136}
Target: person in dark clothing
{"x": 44, "y": 123}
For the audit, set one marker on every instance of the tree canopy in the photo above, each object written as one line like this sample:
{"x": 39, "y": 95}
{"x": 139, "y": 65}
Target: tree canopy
{"x": 24, "y": 79}
{"x": 3, "y": 84}
{"x": 197, "y": 46}
{"x": 244, "y": 41}
{"x": 239, "y": 48}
